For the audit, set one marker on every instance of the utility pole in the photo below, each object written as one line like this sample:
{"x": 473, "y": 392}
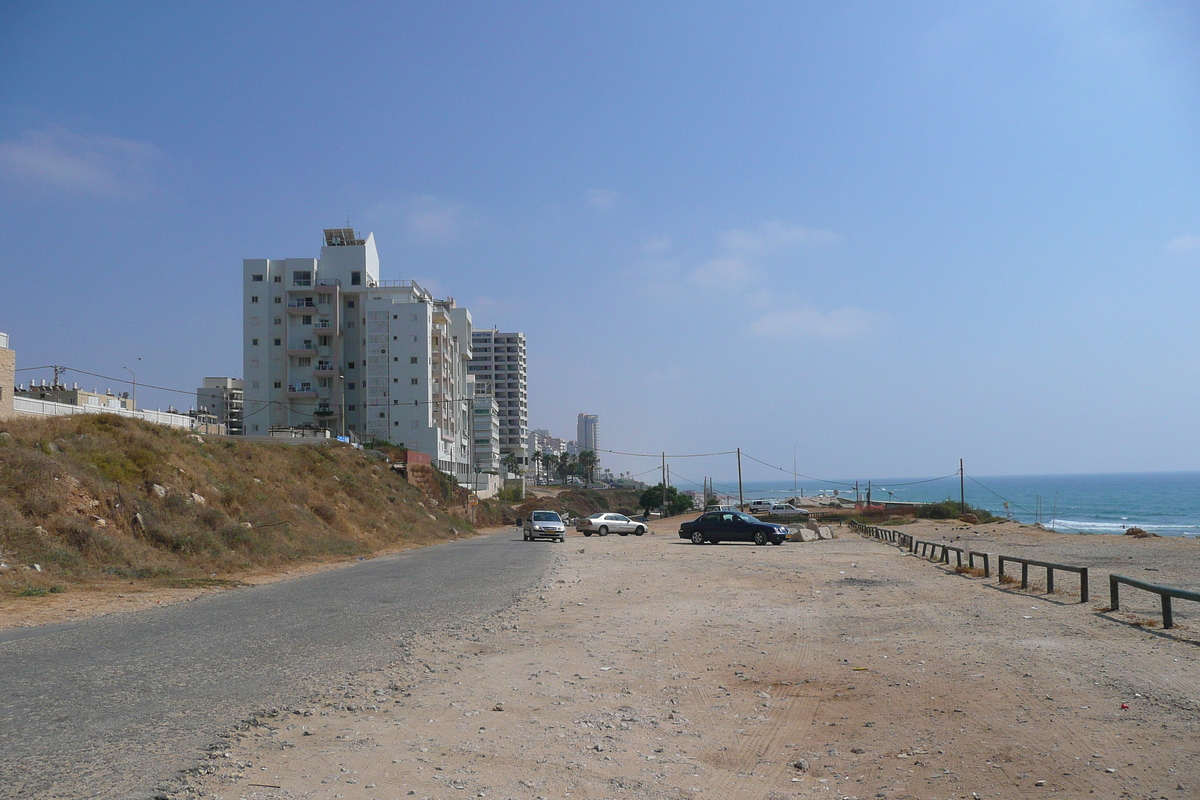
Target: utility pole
{"x": 962, "y": 489}
{"x": 741, "y": 498}
{"x": 662, "y": 510}
{"x": 868, "y": 494}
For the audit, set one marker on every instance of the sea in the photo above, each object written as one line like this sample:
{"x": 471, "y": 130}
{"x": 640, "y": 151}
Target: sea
{"x": 1166, "y": 503}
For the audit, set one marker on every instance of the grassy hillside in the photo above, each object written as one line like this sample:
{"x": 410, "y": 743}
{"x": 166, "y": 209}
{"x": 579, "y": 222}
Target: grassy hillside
{"x": 96, "y": 496}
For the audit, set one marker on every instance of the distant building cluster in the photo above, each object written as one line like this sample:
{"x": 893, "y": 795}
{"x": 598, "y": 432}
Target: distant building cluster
{"x": 330, "y": 345}
{"x": 544, "y": 448}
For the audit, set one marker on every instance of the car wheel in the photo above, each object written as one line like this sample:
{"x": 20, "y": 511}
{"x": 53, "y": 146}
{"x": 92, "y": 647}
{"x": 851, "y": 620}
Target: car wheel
{"x": 587, "y": 533}
{"x": 640, "y": 530}
{"x": 760, "y": 538}
{"x": 602, "y": 530}
{"x": 697, "y": 537}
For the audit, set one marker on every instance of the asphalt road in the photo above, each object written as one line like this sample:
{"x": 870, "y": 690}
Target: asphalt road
{"x": 115, "y": 707}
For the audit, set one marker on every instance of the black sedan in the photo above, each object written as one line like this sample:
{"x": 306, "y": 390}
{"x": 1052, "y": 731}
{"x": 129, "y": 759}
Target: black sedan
{"x": 732, "y": 526}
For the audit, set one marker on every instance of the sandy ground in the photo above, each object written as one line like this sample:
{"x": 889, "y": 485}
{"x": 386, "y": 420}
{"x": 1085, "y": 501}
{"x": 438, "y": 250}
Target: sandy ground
{"x": 653, "y": 668}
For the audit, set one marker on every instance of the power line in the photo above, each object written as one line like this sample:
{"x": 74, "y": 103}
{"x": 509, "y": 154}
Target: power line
{"x": 669, "y": 455}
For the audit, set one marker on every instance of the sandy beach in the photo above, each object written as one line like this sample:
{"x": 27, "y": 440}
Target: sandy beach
{"x": 653, "y": 668}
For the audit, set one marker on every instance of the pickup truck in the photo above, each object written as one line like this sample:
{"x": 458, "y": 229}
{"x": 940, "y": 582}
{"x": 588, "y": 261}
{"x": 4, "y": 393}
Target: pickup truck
{"x": 785, "y": 511}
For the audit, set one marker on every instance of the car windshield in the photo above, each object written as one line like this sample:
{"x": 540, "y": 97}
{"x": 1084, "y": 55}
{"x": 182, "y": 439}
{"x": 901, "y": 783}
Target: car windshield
{"x": 546, "y": 516}
{"x": 744, "y": 517}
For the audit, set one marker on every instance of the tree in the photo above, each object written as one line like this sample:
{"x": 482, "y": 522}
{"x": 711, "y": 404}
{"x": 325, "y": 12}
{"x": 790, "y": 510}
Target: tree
{"x": 567, "y": 465}
{"x": 676, "y": 503}
{"x": 536, "y": 458}
{"x": 588, "y": 460}
{"x": 511, "y": 463}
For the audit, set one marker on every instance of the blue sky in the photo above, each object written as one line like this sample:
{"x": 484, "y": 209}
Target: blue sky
{"x": 885, "y": 235}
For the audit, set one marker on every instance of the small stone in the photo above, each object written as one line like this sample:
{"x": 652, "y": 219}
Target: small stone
{"x": 801, "y": 764}
{"x": 1111, "y": 771}
{"x": 1039, "y": 783}
{"x": 599, "y": 748}
{"x": 161, "y": 491}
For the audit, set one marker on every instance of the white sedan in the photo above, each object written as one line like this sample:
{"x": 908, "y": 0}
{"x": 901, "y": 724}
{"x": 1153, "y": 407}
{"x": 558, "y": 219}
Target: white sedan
{"x": 607, "y": 522}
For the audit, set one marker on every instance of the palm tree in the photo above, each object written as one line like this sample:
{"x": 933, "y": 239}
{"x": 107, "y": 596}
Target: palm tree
{"x": 588, "y": 460}
{"x": 511, "y": 463}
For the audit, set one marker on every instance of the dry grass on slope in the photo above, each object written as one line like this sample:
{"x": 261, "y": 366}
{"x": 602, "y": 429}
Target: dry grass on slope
{"x": 97, "y": 496}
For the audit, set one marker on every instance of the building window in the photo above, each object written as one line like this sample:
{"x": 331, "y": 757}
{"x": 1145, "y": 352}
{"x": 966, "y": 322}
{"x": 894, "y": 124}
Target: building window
{"x": 322, "y": 298}
{"x": 381, "y": 415}
{"x": 279, "y": 320}
{"x": 395, "y": 380}
{"x": 253, "y": 298}
{"x": 278, "y": 279}
{"x": 396, "y": 424}
{"x": 350, "y": 385}
{"x": 349, "y": 304}
{"x": 254, "y": 427}
{"x": 254, "y": 342}
{"x": 416, "y": 381}
{"x": 256, "y": 278}
{"x": 356, "y": 278}
{"x": 278, "y": 300}
{"x": 278, "y": 342}
{"x": 323, "y": 341}
{"x": 351, "y": 408}
{"x": 306, "y": 319}
{"x": 415, "y": 338}
{"x": 304, "y": 361}
{"x": 301, "y": 278}
{"x": 412, "y": 359}
{"x": 278, "y": 384}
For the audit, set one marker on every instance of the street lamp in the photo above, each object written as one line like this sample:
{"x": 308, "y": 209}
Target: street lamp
{"x": 134, "y": 386}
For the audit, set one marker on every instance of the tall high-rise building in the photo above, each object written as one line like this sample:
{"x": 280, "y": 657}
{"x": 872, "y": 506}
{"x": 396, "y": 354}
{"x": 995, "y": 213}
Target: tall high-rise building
{"x": 587, "y": 433}
{"x": 498, "y": 366}
{"x": 328, "y": 344}
{"x": 222, "y": 397}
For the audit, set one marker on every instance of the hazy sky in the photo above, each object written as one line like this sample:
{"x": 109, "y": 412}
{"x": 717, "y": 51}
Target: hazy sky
{"x": 887, "y": 235}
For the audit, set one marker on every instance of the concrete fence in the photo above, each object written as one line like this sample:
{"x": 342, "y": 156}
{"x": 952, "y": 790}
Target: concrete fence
{"x": 47, "y": 408}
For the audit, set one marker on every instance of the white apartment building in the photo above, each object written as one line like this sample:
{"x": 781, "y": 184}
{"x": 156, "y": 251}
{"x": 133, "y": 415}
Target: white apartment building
{"x": 485, "y": 422}
{"x": 328, "y": 344}
{"x": 222, "y": 398}
{"x": 587, "y": 433}
{"x": 499, "y": 367}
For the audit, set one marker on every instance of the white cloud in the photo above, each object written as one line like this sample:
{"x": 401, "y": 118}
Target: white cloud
{"x": 434, "y": 220}
{"x": 602, "y": 199}
{"x": 98, "y": 165}
{"x": 1184, "y": 244}
{"x": 810, "y": 323}
{"x": 661, "y": 244}
{"x": 725, "y": 272}
{"x": 774, "y": 235}
{"x": 742, "y": 250}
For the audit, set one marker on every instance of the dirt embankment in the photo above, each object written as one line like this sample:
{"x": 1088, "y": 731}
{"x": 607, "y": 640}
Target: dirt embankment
{"x": 100, "y": 500}
{"x": 653, "y": 668}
